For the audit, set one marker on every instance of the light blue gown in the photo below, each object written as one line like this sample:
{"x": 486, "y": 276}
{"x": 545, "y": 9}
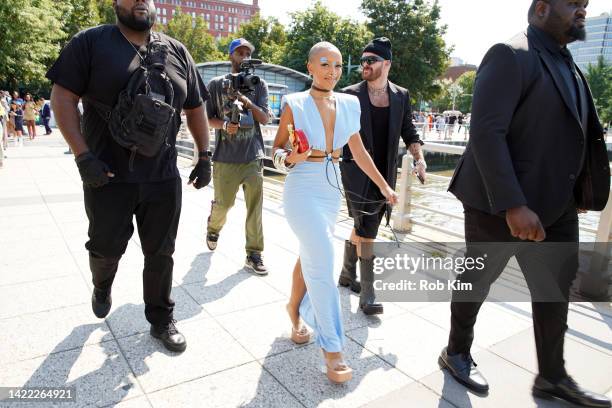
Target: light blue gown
{"x": 311, "y": 203}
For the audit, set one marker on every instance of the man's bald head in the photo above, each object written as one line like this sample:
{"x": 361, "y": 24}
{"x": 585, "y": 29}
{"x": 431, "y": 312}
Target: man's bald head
{"x": 320, "y": 47}
{"x": 532, "y": 9}
{"x": 564, "y": 20}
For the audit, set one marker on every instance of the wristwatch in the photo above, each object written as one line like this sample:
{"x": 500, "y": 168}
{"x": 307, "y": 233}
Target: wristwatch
{"x": 204, "y": 154}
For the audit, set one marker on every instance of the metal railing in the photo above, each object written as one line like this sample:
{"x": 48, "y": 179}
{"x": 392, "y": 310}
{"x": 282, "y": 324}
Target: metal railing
{"x": 402, "y": 219}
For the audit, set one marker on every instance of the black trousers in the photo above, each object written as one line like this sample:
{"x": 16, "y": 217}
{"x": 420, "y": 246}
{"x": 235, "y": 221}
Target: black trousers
{"x": 549, "y": 318}
{"x": 45, "y": 121}
{"x": 157, "y": 207}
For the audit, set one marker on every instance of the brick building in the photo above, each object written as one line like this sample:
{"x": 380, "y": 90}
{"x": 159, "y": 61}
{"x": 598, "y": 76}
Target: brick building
{"x": 454, "y": 72}
{"x": 223, "y": 16}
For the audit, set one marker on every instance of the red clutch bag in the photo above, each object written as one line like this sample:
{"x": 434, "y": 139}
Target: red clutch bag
{"x": 298, "y": 137}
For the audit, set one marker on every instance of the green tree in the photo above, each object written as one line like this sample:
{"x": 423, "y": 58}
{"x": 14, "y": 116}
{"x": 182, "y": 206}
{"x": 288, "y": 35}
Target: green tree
{"x": 443, "y": 99}
{"x": 106, "y": 11}
{"x": 319, "y": 24}
{"x": 267, "y": 35}
{"x": 599, "y": 77}
{"x": 464, "y": 100}
{"x": 223, "y": 44}
{"x": 193, "y": 33}
{"x": 31, "y": 33}
{"x": 419, "y": 52}
{"x": 78, "y": 15}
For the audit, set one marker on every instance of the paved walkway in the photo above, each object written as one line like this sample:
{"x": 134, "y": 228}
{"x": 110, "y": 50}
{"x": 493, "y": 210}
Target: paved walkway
{"x": 238, "y": 350}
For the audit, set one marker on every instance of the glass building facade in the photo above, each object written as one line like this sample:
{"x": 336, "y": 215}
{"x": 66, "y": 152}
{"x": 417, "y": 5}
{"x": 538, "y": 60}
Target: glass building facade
{"x": 598, "y": 42}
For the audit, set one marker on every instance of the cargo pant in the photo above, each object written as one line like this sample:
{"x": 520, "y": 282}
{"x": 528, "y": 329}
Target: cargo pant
{"x": 227, "y": 179}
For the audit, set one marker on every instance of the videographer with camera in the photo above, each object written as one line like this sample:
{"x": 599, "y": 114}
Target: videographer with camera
{"x": 237, "y": 106}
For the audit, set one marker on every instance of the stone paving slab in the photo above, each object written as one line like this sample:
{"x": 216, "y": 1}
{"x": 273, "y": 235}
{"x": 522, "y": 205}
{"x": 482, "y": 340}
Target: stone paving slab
{"x": 588, "y": 323}
{"x": 234, "y": 292}
{"x": 414, "y": 395}
{"x": 589, "y": 367}
{"x": 599, "y": 307}
{"x": 239, "y": 353}
{"x": 35, "y": 249}
{"x": 99, "y": 372}
{"x": 354, "y": 318}
{"x": 127, "y": 315}
{"x": 262, "y": 330}
{"x": 494, "y": 324}
{"x": 247, "y": 386}
{"x": 201, "y": 267}
{"x": 35, "y": 268}
{"x": 210, "y": 349}
{"x": 407, "y": 342}
{"x": 591, "y": 327}
{"x": 48, "y": 294}
{"x": 300, "y": 371}
{"x": 24, "y": 234}
{"x": 38, "y": 334}
{"x": 69, "y": 213}
{"x": 510, "y": 386}
{"x": 139, "y": 402}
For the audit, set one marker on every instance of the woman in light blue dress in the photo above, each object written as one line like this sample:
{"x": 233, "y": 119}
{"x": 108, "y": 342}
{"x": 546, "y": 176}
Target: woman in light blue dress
{"x": 312, "y": 197}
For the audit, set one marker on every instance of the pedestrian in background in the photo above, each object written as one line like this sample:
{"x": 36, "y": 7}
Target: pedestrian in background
{"x": 45, "y": 114}
{"x": 29, "y": 115}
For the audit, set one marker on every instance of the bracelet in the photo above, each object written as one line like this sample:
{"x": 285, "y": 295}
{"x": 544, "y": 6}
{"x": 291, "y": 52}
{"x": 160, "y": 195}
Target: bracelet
{"x": 421, "y": 162}
{"x": 280, "y": 157}
{"x": 225, "y": 123}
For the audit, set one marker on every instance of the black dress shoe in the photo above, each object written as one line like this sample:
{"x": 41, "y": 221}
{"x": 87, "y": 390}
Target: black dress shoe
{"x": 169, "y": 336}
{"x": 567, "y": 390}
{"x": 101, "y": 302}
{"x": 463, "y": 369}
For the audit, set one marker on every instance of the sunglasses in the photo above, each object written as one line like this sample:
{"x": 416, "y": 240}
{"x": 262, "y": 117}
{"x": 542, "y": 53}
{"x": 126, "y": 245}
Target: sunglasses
{"x": 370, "y": 60}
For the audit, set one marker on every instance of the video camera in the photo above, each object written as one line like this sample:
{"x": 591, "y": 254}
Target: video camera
{"x": 243, "y": 83}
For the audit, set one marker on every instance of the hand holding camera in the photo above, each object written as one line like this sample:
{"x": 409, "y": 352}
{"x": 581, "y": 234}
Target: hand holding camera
{"x": 231, "y": 128}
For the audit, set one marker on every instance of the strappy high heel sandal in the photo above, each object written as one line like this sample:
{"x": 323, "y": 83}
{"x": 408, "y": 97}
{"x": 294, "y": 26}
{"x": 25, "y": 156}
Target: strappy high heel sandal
{"x": 337, "y": 370}
{"x": 300, "y": 336}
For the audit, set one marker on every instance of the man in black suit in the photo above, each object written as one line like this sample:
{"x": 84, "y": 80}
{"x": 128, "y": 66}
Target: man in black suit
{"x": 45, "y": 114}
{"x": 386, "y": 114}
{"x": 536, "y": 157}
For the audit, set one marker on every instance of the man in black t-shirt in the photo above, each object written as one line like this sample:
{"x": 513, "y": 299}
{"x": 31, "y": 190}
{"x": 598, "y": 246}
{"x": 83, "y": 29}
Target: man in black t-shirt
{"x": 96, "y": 66}
{"x": 386, "y": 115}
